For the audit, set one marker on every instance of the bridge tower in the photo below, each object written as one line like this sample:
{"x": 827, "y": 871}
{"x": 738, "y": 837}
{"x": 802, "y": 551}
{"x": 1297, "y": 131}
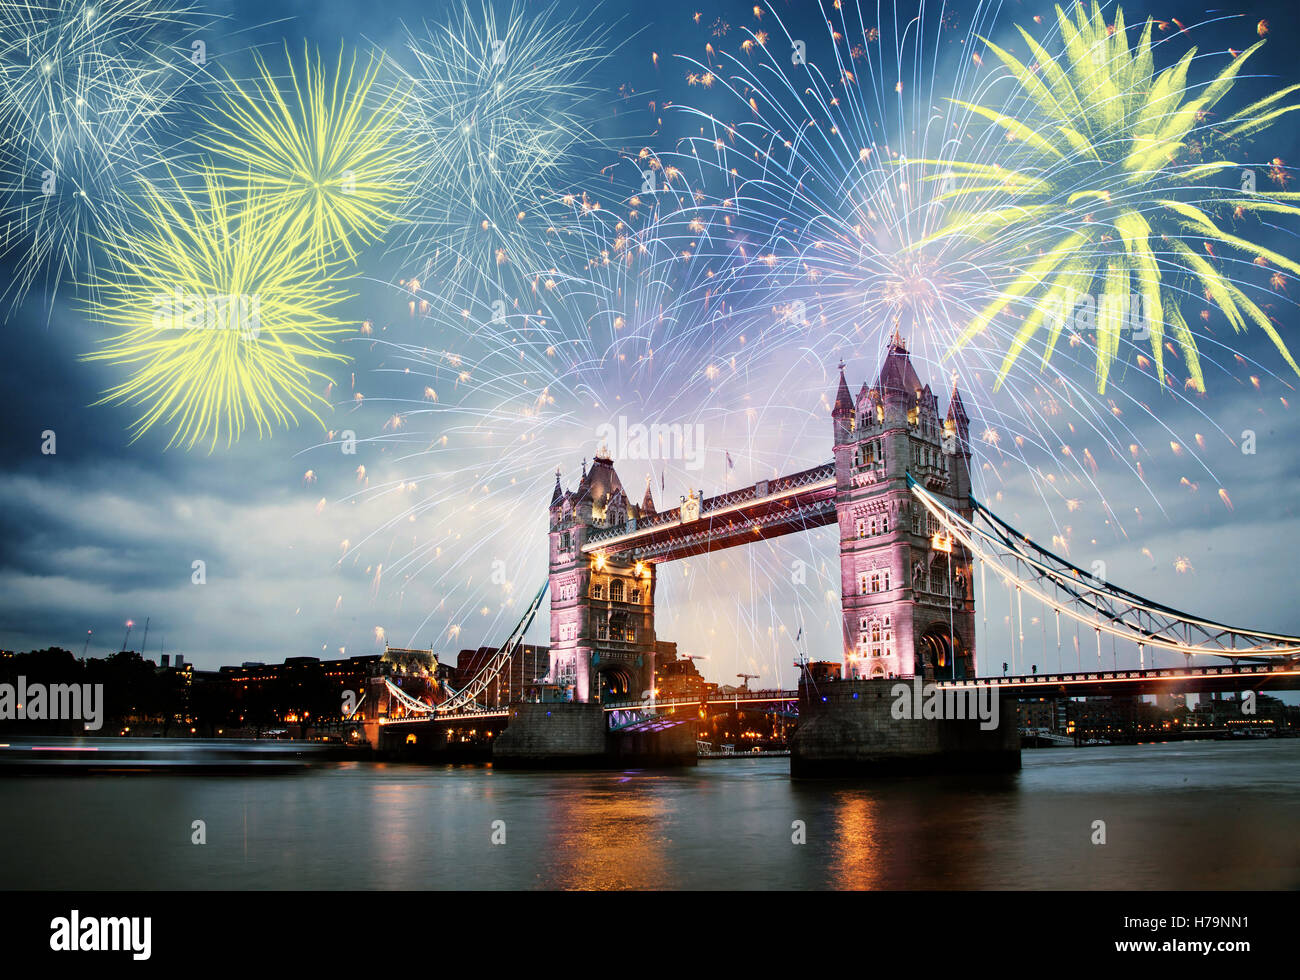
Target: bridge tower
{"x": 907, "y": 601}
{"x": 602, "y": 610}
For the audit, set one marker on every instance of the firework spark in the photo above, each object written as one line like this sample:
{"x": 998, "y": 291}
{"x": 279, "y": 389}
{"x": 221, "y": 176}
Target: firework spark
{"x": 1108, "y": 192}
{"x": 499, "y": 108}
{"x": 87, "y": 90}
{"x": 326, "y": 160}
{"x": 219, "y": 318}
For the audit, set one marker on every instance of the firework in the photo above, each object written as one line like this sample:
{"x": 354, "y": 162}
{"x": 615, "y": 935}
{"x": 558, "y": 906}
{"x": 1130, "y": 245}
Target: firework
{"x": 499, "y": 108}
{"x": 219, "y": 319}
{"x": 325, "y": 159}
{"x": 716, "y": 281}
{"x": 1109, "y": 190}
{"x": 86, "y": 91}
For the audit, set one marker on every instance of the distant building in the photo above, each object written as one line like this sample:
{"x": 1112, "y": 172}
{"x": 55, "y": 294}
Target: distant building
{"x": 301, "y": 691}
{"x": 1170, "y": 702}
{"x": 515, "y": 681}
{"x": 823, "y": 671}
{"x": 680, "y": 679}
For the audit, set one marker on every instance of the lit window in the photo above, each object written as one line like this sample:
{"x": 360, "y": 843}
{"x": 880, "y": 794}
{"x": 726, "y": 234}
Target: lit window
{"x": 616, "y": 590}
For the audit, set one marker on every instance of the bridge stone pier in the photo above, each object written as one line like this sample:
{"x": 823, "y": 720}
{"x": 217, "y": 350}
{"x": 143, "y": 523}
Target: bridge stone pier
{"x": 854, "y": 728}
{"x": 576, "y": 735}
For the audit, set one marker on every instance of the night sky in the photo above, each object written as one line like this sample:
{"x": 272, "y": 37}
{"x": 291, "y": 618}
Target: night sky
{"x": 107, "y": 529}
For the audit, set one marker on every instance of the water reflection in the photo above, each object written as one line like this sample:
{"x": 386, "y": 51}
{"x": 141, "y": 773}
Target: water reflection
{"x": 1195, "y": 815}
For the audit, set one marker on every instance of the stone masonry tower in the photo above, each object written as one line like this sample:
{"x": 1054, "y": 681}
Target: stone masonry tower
{"x": 602, "y": 611}
{"x": 908, "y": 601}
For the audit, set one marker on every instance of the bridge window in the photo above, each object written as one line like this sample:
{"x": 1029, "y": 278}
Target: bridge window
{"x": 862, "y": 583}
{"x": 888, "y": 625}
{"x": 616, "y": 590}
{"x": 602, "y": 630}
{"x": 565, "y": 541}
{"x": 862, "y": 528}
{"x": 875, "y": 581}
{"x": 884, "y": 524}
{"x": 597, "y": 590}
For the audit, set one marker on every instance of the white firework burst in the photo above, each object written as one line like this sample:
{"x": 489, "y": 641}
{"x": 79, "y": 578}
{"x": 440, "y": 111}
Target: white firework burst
{"x": 500, "y": 107}
{"x": 86, "y": 92}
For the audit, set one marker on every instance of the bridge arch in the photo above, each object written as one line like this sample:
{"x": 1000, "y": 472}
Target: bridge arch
{"x": 936, "y": 651}
{"x": 615, "y": 682}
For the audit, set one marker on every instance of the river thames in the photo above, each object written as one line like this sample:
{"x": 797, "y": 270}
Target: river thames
{"x": 1189, "y": 815}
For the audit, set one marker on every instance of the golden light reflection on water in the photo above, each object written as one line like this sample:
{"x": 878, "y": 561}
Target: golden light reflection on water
{"x": 857, "y": 852}
{"x": 610, "y": 835}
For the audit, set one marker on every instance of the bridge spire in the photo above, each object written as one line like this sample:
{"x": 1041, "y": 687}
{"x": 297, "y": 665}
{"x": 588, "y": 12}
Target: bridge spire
{"x": 896, "y": 339}
{"x": 843, "y": 401}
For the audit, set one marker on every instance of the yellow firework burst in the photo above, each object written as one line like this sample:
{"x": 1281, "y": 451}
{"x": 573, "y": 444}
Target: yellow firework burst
{"x": 322, "y": 156}
{"x": 219, "y": 318}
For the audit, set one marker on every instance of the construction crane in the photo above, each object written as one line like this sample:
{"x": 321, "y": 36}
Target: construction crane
{"x": 745, "y": 678}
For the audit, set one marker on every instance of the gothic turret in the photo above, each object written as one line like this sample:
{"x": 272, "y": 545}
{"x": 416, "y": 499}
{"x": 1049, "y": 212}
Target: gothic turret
{"x": 960, "y": 420}
{"x": 842, "y": 411}
{"x": 898, "y": 380}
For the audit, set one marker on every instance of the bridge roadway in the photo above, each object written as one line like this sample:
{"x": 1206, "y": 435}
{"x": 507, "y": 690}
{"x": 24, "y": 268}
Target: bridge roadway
{"x": 1280, "y": 675}
{"x": 766, "y": 509}
{"x": 1151, "y": 680}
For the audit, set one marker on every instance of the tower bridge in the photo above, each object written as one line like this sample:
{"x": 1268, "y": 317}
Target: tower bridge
{"x": 907, "y": 606}
{"x": 912, "y": 540}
